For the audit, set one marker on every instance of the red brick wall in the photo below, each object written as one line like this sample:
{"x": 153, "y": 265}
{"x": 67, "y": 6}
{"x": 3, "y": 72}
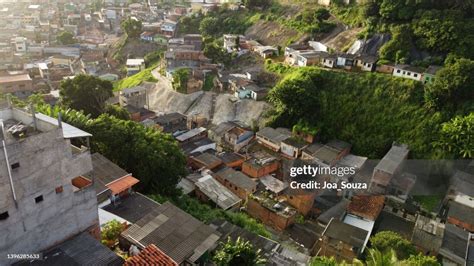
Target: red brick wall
{"x": 254, "y": 172}
{"x": 235, "y": 164}
{"x": 268, "y": 217}
{"x": 303, "y": 203}
{"x": 240, "y": 192}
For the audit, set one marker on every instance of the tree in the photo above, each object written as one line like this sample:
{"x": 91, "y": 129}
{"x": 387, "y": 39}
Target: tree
{"x": 180, "y": 80}
{"x": 296, "y": 96}
{"x": 132, "y": 27}
{"x": 322, "y": 14}
{"x": 215, "y": 51}
{"x": 238, "y": 253}
{"x": 251, "y": 4}
{"x": 398, "y": 48}
{"x": 452, "y": 86}
{"x": 111, "y": 232}
{"x": 323, "y": 261}
{"x": 387, "y": 240}
{"x": 438, "y": 30}
{"x": 421, "y": 260}
{"x": 209, "y": 26}
{"x": 153, "y": 157}
{"x": 379, "y": 258}
{"x": 117, "y": 111}
{"x": 66, "y": 38}
{"x": 86, "y": 93}
{"x": 457, "y": 136}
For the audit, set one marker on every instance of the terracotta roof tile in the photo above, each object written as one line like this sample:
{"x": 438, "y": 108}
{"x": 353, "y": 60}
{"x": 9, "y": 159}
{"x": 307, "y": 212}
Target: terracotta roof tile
{"x": 151, "y": 255}
{"x": 368, "y": 207}
{"x": 122, "y": 184}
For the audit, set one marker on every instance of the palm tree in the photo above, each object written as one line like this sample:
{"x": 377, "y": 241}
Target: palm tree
{"x": 238, "y": 253}
{"x": 377, "y": 258}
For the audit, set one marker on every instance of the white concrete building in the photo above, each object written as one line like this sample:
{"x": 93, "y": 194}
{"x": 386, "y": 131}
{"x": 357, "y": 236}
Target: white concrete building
{"x": 135, "y": 65}
{"x": 44, "y": 197}
{"x": 408, "y": 72}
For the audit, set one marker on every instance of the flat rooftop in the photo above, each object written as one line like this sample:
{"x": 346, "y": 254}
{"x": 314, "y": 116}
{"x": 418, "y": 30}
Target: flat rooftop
{"x": 19, "y": 124}
{"x": 14, "y": 78}
{"x": 133, "y": 208}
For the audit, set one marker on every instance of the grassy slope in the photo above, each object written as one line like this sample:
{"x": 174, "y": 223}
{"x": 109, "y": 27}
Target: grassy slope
{"x": 137, "y": 79}
{"x": 370, "y": 111}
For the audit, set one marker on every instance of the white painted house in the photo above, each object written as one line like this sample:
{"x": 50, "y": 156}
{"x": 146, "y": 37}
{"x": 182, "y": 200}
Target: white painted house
{"x": 408, "y": 72}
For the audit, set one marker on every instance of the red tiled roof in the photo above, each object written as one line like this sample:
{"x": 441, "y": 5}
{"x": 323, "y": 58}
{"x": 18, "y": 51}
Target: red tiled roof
{"x": 122, "y": 184}
{"x": 368, "y": 207}
{"x": 151, "y": 255}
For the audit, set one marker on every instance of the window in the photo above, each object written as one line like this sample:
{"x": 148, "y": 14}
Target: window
{"x": 15, "y": 165}
{"x": 4, "y": 216}
{"x": 235, "y": 188}
{"x": 408, "y": 73}
{"x": 39, "y": 199}
{"x": 415, "y": 75}
{"x": 59, "y": 189}
{"x": 398, "y": 70}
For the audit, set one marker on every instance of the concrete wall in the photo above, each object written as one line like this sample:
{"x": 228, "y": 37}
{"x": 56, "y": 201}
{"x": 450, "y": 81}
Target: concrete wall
{"x": 46, "y": 163}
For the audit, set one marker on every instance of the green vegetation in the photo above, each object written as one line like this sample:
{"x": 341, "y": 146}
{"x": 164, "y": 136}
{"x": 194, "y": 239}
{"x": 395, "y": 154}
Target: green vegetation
{"x": 237, "y": 253}
{"x": 66, "y": 38}
{"x": 278, "y": 67}
{"x": 451, "y": 90}
{"x": 152, "y": 156}
{"x": 213, "y": 49}
{"x": 252, "y": 4}
{"x": 132, "y": 27}
{"x": 376, "y": 257}
{"x": 370, "y": 111}
{"x": 420, "y": 260}
{"x": 208, "y": 82}
{"x": 137, "y": 79}
{"x": 309, "y": 21}
{"x": 86, "y": 93}
{"x": 305, "y": 128}
{"x": 110, "y": 233}
{"x": 216, "y": 23}
{"x": 153, "y": 58}
{"x": 117, "y": 111}
{"x": 428, "y": 202}
{"x": 457, "y": 136}
{"x": 439, "y": 27}
{"x": 180, "y": 80}
{"x": 207, "y": 214}
{"x": 323, "y": 261}
{"x": 387, "y": 241}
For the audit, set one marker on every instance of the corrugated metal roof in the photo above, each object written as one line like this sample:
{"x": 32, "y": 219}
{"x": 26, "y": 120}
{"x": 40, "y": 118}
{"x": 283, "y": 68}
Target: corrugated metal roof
{"x": 174, "y": 231}
{"x": 237, "y": 178}
{"x": 216, "y": 192}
